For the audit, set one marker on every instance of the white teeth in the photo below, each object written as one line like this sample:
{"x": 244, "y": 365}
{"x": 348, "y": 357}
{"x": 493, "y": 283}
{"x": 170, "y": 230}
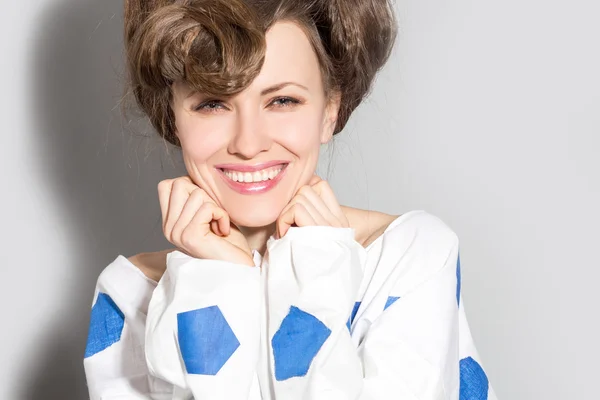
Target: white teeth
{"x": 257, "y": 176}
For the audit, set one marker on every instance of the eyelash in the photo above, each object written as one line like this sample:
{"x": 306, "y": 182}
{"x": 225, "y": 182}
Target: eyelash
{"x": 204, "y": 105}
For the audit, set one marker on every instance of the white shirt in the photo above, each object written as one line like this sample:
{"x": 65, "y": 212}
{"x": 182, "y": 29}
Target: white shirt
{"x": 321, "y": 318}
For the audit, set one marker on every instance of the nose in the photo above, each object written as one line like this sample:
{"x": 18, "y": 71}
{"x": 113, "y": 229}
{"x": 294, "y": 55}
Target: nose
{"x": 249, "y": 137}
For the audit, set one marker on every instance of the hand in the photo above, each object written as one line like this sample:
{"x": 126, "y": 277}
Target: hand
{"x": 197, "y": 226}
{"x": 313, "y": 205}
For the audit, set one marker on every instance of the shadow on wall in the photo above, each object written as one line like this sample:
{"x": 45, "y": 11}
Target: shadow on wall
{"x": 101, "y": 170}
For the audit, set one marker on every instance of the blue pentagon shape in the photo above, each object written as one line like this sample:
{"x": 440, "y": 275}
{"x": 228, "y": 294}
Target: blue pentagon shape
{"x": 296, "y": 343}
{"x": 390, "y": 300}
{"x": 206, "y": 340}
{"x": 353, "y": 314}
{"x": 106, "y": 325}
{"x": 458, "y": 279}
{"x": 473, "y": 381}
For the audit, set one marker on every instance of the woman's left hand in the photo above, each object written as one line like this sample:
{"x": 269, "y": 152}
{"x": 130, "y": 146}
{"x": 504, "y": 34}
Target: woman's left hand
{"x": 313, "y": 205}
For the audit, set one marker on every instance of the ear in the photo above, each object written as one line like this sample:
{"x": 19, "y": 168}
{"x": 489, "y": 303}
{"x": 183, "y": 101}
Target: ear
{"x": 331, "y": 115}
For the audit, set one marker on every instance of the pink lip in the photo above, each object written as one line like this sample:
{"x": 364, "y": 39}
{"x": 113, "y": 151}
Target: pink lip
{"x": 254, "y": 187}
{"x": 251, "y": 168}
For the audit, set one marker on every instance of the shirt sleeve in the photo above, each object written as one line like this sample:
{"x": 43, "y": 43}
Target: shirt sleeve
{"x": 203, "y": 327}
{"x": 114, "y": 361}
{"x": 313, "y": 275}
{"x": 418, "y": 348}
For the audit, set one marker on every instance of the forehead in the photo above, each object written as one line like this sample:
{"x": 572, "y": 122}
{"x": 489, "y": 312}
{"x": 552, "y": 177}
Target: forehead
{"x": 289, "y": 56}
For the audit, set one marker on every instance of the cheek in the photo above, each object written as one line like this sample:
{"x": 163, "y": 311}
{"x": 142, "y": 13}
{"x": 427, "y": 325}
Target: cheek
{"x": 299, "y": 132}
{"x": 199, "y": 138}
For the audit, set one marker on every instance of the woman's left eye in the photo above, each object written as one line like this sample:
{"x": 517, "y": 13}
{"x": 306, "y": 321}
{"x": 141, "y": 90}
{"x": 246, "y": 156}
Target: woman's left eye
{"x": 284, "y": 102}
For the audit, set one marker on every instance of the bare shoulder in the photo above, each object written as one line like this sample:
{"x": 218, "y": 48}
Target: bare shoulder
{"x": 152, "y": 264}
{"x": 368, "y": 224}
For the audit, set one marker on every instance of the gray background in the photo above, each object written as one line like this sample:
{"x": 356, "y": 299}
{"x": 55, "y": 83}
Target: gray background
{"x": 487, "y": 116}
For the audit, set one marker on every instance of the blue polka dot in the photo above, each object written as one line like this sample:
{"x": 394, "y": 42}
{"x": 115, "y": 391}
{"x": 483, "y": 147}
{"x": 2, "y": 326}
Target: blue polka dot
{"x": 106, "y": 325}
{"x": 297, "y": 343}
{"x": 391, "y": 300}
{"x": 351, "y": 317}
{"x": 458, "y": 279}
{"x": 205, "y": 339}
{"x": 473, "y": 381}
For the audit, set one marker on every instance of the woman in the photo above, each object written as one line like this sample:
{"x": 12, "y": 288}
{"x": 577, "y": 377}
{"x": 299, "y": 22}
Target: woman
{"x": 273, "y": 289}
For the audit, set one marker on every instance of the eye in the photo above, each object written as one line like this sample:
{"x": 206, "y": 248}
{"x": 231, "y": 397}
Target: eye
{"x": 281, "y": 102}
{"x": 210, "y": 106}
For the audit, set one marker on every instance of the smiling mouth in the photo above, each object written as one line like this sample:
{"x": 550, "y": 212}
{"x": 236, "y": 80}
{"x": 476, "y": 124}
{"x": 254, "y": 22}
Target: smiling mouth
{"x": 263, "y": 175}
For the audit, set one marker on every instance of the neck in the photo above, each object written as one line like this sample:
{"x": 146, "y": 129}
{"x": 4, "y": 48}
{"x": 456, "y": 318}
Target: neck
{"x": 257, "y": 236}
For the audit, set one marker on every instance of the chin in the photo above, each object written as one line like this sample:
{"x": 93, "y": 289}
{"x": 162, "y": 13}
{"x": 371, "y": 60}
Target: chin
{"x": 253, "y": 218}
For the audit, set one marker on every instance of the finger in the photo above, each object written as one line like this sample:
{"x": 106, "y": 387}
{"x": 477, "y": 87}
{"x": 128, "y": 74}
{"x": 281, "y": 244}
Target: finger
{"x": 214, "y": 226}
{"x": 295, "y": 214}
{"x": 217, "y": 225}
{"x": 197, "y": 229}
{"x": 321, "y": 207}
{"x": 319, "y": 219}
{"x": 314, "y": 180}
{"x": 164, "y": 193}
{"x": 280, "y": 222}
{"x": 224, "y": 223}
{"x": 190, "y": 208}
{"x": 324, "y": 191}
{"x": 165, "y": 187}
{"x": 181, "y": 191}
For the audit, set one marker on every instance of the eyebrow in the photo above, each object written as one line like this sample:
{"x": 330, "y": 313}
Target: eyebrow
{"x": 191, "y": 93}
{"x": 270, "y": 89}
{"x": 280, "y": 86}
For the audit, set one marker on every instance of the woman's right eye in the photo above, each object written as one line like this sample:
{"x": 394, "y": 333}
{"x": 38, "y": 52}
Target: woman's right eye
{"x": 210, "y": 106}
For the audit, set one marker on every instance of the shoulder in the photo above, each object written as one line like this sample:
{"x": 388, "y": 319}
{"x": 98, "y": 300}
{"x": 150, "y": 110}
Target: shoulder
{"x": 371, "y": 225}
{"x": 417, "y": 247}
{"x": 368, "y": 224}
{"x": 414, "y": 247}
{"x": 151, "y": 264}
{"x": 127, "y": 283}
{"x": 428, "y": 226}
{"x": 421, "y": 232}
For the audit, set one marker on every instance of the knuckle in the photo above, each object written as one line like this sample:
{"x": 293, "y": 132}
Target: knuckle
{"x": 300, "y": 203}
{"x": 205, "y": 207}
{"x": 183, "y": 182}
{"x": 295, "y": 200}
{"x": 187, "y": 240}
{"x": 304, "y": 189}
{"x": 323, "y": 186}
{"x": 164, "y": 184}
{"x": 322, "y": 183}
{"x": 197, "y": 193}
{"x": 178, "y": 184}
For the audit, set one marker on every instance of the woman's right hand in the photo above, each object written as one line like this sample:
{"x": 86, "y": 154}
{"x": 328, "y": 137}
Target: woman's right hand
{"x": 194, "y": 223}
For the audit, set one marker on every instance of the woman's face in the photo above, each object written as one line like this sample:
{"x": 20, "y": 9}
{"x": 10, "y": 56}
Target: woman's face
{"x": 282, "y": 117}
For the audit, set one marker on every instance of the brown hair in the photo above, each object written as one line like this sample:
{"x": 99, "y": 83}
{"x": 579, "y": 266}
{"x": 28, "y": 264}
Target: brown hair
{"x": 218, "y": 47}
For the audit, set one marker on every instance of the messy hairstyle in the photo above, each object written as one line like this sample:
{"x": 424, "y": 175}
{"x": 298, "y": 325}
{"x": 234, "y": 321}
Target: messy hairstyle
{"x": 217, "y": 47}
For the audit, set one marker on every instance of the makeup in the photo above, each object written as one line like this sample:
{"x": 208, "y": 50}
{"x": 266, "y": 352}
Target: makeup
{"x": 235, "y": 178}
